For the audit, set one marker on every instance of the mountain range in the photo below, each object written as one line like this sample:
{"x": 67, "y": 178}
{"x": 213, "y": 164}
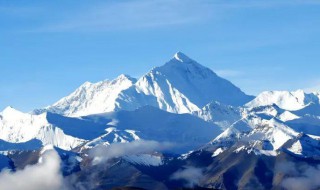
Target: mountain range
{"x": 178, "y": 126}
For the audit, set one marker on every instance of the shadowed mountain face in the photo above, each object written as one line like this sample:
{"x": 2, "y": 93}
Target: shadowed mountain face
{"x": 179, "y": 126}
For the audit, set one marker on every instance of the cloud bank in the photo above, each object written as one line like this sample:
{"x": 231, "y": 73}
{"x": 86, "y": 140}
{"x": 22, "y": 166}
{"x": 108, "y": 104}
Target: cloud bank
{"x": 103, "y": 153}
{"x": 43, "y": 175}
{"x": 301, "y": 177}
{"x": 191, "y": 175}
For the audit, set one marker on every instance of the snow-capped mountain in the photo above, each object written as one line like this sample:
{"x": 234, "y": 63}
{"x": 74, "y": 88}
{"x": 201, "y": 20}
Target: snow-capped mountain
{"x": 180, "y": 86}
{"x": 286, "y": 100}
{"x": 268, "y": 130}
{"x": 223, "y": 137}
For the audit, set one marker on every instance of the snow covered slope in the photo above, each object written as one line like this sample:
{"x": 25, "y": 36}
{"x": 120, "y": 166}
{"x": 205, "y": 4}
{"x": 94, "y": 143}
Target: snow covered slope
{"x": 284, "y": 99}
{"x": 18, "y": 127}
{"x": 30, "y": 131}
{"x": 184, "y": 131}
{"x": 180, "y": 86}
{"x": 268, "y": 130}
{"x": 92, "y": 98}
{"x": 220, "y": 114}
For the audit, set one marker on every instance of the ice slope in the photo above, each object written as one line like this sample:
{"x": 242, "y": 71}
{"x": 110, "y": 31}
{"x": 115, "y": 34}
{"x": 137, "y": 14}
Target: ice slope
{"x": 180, "y": 86}
{"x": 286, "y": 100}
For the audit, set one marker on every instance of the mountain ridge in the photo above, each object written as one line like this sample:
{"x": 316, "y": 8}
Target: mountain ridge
{"x": 179, "y": 86}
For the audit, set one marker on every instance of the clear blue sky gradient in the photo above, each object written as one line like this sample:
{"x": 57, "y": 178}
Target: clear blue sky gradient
{"x": 49, "y": 48}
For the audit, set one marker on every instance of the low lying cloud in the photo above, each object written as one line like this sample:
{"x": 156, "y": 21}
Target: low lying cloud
{"x": 103, "y": 153}
{"x": 301, "y": 177}
{"x": 191, "y": 175}
{"x": 43, "y": 175}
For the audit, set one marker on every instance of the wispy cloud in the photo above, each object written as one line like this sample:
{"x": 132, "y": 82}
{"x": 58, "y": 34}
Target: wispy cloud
{"x": 130, "y": 15}
{"x": 302, "y": 176}
{"x": 136, "y": 14}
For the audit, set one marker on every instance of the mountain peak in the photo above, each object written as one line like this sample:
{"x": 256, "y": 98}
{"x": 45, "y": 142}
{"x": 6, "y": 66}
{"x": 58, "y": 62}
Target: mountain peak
{"x": 9, "y": 109}
{"x": 181, "y": 85}
{"x": 181, "y": 57}
{"x": 125, "y": 77}
{"x": 294, "y": 100}
{"x": 10, "y": 112}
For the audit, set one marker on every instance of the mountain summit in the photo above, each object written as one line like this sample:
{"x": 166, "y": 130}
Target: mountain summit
{"x": 179, "y": 56}
{"x": 179, "y": 86}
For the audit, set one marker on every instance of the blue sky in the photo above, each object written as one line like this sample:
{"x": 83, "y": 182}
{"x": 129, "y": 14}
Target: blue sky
{"x": 49, "y": 48}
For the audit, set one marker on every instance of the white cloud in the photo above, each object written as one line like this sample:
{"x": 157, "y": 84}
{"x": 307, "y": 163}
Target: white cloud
{"x": 191, "y": 175}
{"x": 301, "y": 177}
{"x": 103, "y": 153}
{"x": 43, "y": 175}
